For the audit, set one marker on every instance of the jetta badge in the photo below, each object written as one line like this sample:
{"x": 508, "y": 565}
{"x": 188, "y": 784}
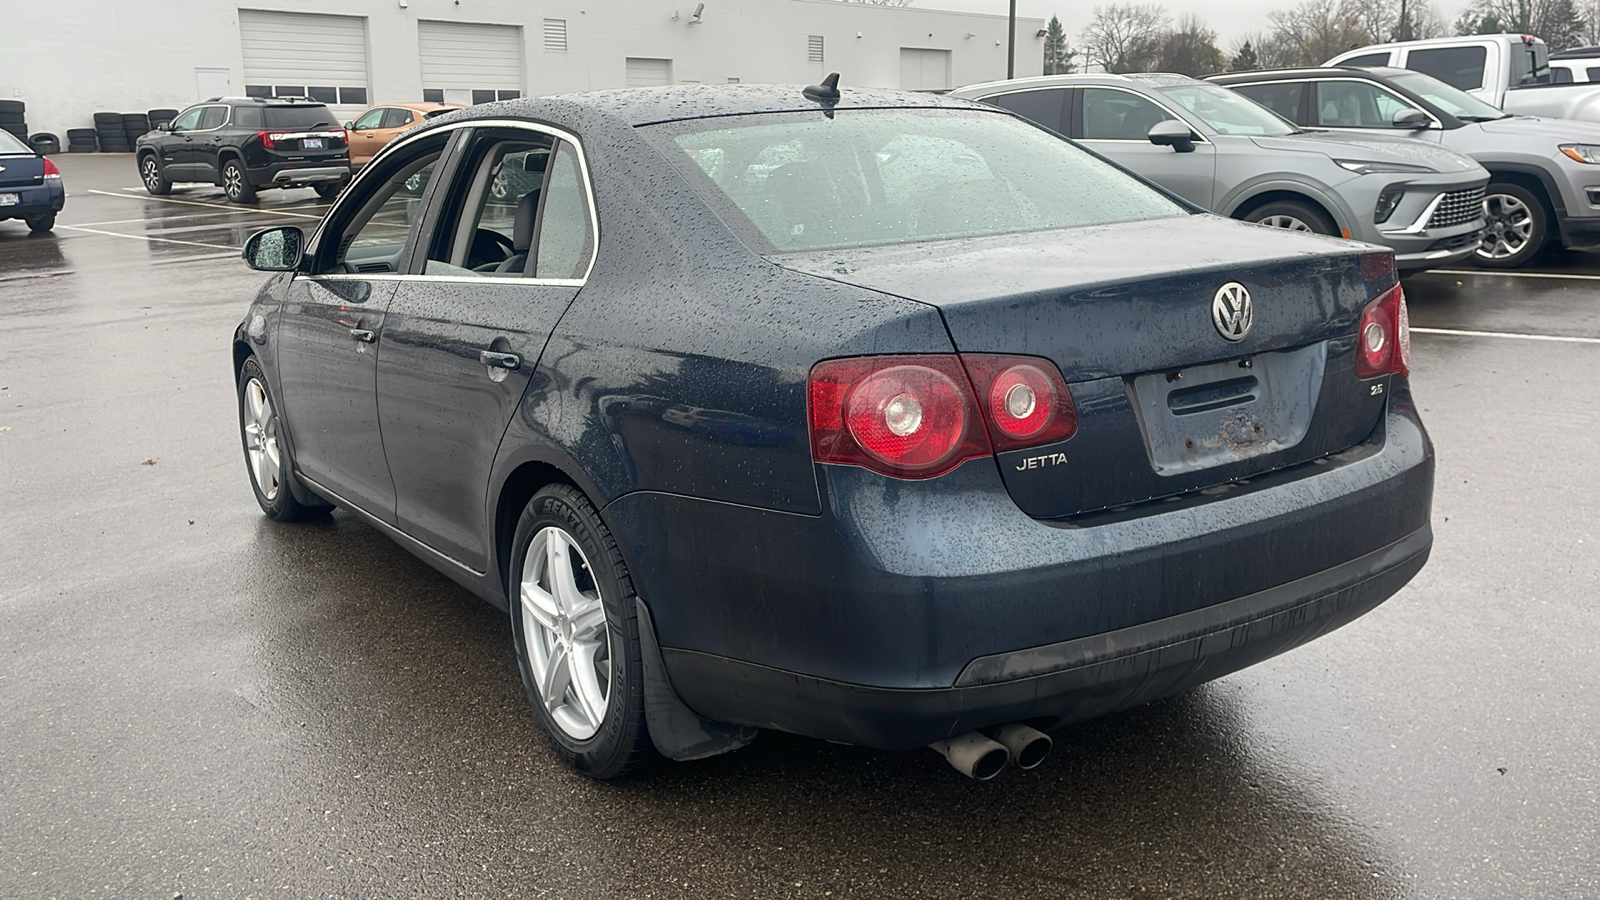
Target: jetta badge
{"x": 1232, "y": 312}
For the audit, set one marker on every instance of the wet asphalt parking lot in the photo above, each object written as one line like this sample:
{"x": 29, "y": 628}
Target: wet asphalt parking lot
{"x": 197, "y": 701}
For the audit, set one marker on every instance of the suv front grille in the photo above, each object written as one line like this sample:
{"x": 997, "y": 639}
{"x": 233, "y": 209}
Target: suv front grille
{"x": 1458, "y": 208}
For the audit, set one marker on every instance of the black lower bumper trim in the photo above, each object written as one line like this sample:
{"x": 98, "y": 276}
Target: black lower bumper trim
{"x": 1056, "y": 684}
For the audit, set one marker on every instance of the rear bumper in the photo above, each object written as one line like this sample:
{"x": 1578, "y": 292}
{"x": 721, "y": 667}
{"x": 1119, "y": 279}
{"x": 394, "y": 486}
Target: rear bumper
{"x": 34, "y": 200}
{"x": 910, "y": 611}
{"x": 282, "y": 174}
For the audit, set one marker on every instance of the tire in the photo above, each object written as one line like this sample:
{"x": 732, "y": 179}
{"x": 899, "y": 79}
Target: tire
{"x": 41, "y": 224}
{"x": 598, "y": 587}
{"x": 328, "y": 191}
{"x": 1292, "y": 215}
{"x": 79, "y": 134}
{"x": 13, "y": 107}
{"x": 150, "y": 173}
{"x": 236, "y": 182}
{"x": 108, "y": 118}
{"x": 266, "y": 458}
{"x": 1518, "y": 226}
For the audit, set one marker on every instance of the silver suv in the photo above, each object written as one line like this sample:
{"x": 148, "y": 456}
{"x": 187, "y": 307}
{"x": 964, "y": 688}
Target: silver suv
{"x": 1545, "y": 173}
{"x": 1227, "y": 154}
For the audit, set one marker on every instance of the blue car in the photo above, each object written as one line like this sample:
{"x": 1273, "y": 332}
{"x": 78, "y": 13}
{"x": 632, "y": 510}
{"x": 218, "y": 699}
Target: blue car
{"x": 885, "y": 418}
{"x": 30, "y": 185}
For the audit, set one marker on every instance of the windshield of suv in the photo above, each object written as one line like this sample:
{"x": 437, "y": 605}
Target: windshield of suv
{"x": 1454, "y": 101}
{"x": 297, "y": 116}
{"x": 1229, "y": 112}
{"x": 9, "y": 144}
{"x": 855, "y": 178}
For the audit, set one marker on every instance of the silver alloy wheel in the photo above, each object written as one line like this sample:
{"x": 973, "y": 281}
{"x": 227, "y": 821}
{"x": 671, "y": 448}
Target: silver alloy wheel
{"x": 232, "y": 181}
{"x": 261, "y": 439}
{"x": 152, "y": 173}
{"x": 498, "y": 189}
{"x": 1287, "y": 222}
{"x": 564, "y": 630}
{"x": 1510, "y": 227}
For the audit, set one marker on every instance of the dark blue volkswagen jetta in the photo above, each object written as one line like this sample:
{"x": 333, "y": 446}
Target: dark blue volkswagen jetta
{"x": 878, "y": 417}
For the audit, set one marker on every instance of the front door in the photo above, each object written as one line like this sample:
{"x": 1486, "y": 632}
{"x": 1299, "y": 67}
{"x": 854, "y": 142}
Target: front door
{"x": 173, "y": 147}
{"x": 1117, "y": 123}
{"x": 330, "y": 336}
{"x": 364, "y": 136}
{"x": 461, "y": 344}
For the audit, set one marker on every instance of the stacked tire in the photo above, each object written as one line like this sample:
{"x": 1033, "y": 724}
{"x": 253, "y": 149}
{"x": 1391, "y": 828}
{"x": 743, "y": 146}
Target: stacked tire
{"x": 134, "y": 125}
{"x": 13, "y": 118}
{"x": 82, "y": 140}
{"x": 159, "y": 117}
{"x": 108, "y": 129}
{"x": 45, "y": 143}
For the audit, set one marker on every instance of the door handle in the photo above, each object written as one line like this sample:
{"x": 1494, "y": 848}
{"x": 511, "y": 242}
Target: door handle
{"x": 509, "y": 361}
{"x": 363, "y": 335}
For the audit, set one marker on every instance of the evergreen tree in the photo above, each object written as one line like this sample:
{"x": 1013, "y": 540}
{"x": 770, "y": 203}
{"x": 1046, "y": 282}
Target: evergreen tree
{"x": 1057, "y": 55}
{"x": 1245, "y": 59}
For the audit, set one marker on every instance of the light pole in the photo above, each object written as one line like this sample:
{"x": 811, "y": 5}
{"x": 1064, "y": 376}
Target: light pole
{"x": 1011, "y": 44}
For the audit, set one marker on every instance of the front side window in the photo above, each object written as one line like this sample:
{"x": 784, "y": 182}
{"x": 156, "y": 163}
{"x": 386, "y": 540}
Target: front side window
{"x": 188, "y": 120}
{"x": 1459, "y": 67}
{"x": 811, "y": 181}
{"x": 1227, "y": 112}
{"x": 1113, "y": 115}
{"x": 374, "y": 236}
{"x": 369, "y": 119}
{"x": 1354, "y": 104}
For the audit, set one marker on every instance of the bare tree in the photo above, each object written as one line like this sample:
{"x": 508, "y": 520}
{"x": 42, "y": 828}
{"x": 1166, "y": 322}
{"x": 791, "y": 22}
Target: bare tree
{"x": 1316, "y": 30}
{"x": 1125, "y": 37}
{"x": 1189, "y": 49}
{"x": 1559, "y": 22}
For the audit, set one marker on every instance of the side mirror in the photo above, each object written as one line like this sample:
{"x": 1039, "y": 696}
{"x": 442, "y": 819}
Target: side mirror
{"x": 1174, "y": 134}
{"x": 275, "y": 250}
{"x": 163, "y": 126}
{"x": 1411, "y": 119}
{"x": 349, "y": 126}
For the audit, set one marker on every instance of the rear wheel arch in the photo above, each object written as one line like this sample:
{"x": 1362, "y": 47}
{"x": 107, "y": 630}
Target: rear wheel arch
{"x": 527, "y": 479}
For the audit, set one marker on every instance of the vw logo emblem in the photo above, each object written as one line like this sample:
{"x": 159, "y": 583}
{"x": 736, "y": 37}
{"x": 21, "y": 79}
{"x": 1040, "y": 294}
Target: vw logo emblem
{"x": 1232, "y": 312}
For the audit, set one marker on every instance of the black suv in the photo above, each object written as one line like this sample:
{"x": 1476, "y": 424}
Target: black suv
{"x": 245, "y": 144}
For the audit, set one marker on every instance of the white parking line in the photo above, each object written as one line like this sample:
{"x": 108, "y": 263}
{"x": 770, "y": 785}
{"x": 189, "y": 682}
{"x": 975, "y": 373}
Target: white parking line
{"x": 1494, "y": 274}
{"x": 161, "y": 221}
{"x": 1508, "y": 334}
{"x": 217, "y": 207}
{"x": 145, "y": 237}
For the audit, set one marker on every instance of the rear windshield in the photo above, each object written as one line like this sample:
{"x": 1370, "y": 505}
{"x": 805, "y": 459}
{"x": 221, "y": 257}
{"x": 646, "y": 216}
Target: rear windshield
{"x": 807, "y": 181}
{"x": 297, "y": 116}
{"x": 9, "y": 144}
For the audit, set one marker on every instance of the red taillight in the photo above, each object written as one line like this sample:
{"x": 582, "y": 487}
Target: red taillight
{"x": 1383, "y": 342}
{"x": 1026, "y": 400}
{"x": 338, "y": 133}
{"x": 50, "y": 170}
{"x": 919, "y": 416}
{"x": 270, "y": 139}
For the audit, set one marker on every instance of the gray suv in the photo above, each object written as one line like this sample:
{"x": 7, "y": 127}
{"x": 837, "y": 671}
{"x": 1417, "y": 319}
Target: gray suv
{"x": 1545, "y": 173}
{"x": 1227, "y": 154}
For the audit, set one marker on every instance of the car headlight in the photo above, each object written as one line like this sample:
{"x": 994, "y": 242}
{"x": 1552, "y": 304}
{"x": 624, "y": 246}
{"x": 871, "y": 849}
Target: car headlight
{"x": 1372, "y": 166}
{"x": 1584, "y": 153}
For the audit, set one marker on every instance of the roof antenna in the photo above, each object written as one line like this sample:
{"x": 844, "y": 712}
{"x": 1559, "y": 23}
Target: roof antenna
{"x": 826, "y": 93}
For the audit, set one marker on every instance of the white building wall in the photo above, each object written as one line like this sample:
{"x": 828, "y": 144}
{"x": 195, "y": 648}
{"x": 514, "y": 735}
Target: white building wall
{"x": 71, "y": 58}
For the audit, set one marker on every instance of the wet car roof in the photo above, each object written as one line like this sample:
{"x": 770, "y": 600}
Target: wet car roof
{"x": 645, "y": 106}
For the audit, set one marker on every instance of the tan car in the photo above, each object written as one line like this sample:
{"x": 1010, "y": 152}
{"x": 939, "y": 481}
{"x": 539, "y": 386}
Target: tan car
{"x": 376, "y": 127}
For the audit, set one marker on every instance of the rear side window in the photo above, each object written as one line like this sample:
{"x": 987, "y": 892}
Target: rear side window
{"x": 1561, "y": 76}
{"x": 247, "y": 117}
{"x": 565, "y": 239}
{"x": 852, "y": 178}
{"x": 213, "y": 117}
{"x": 1043, "y": 107}
{"x": 1459, "y": 67}
{"x": 1593, "y": 74}
{"x": 395, "y": 117}
{"x": 1281, "y": 97}
{"x": 1371, "y": 59}
{"x": 297, "y": 116}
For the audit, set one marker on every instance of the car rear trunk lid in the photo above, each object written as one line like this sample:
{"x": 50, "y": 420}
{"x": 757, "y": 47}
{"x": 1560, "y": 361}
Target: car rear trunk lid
{"x": 1166, "y": 404}
{"x": 21, "y": 171}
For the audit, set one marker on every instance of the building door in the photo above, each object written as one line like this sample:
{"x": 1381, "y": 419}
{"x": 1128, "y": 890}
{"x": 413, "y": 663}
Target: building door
{"x": 306, "y": 55}
{"x": 470, "y": 63}
{"x": 210, "y": 83}
{"x": 924, "y": 70}
{"x": 648, "y": 72}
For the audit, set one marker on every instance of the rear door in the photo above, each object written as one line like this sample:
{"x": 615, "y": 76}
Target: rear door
{"x": 1117, "y": 122}
{"x": 465, "y": 331}
{"x": 329, "y": 337}
{"x": 206, "y": 141}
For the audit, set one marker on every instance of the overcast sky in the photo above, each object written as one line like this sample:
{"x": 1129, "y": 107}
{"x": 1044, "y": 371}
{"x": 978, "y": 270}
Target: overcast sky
{"x": 1228, "y": 19}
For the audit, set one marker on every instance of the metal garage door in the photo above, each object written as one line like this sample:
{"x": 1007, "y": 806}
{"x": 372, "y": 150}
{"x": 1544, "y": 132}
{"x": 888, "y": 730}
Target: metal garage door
{"x": 924, "y": 70}
{"x": 648, "y": 72}
{"x": 463, "y": 62}
{"x": 305, "y": 55}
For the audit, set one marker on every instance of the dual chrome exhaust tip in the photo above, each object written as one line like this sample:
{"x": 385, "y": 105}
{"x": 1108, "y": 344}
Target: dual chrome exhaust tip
{"x": 981, "y": 755}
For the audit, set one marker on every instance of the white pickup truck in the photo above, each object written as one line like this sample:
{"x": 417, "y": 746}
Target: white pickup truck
{"x": 1511, "y": 71}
